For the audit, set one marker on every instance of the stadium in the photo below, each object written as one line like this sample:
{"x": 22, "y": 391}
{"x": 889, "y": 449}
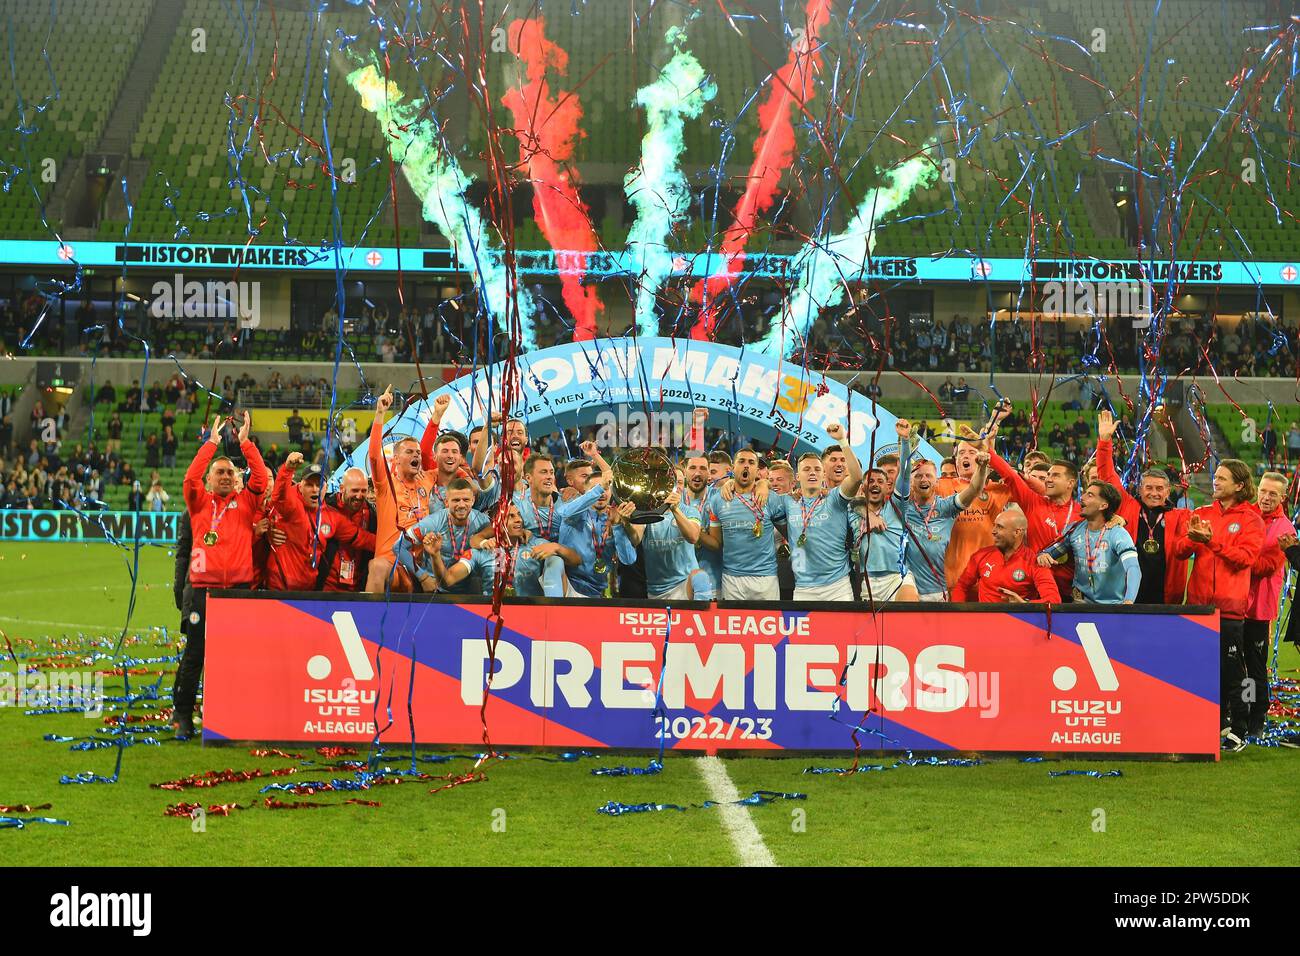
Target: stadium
{"x": 609, "y": 433}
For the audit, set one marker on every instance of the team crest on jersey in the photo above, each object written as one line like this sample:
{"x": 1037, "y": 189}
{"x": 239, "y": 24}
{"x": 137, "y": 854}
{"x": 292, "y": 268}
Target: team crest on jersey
{"x": 1017, "y": 575}
{"x": 984, "y": 496}
{"x": 422, "y": 492}
{"x": 1102, "y": 546}
{"x": 1234, "y": 528}
{"x": 232, "y": 504}
{"x": 325, "y": 530}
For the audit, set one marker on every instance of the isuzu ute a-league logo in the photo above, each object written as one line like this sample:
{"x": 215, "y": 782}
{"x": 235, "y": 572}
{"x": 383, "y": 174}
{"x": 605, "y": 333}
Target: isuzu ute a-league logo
{"x": 178, "y": 299}
{"x": 1088, "y": 719}
{"x": 338, "y": 710}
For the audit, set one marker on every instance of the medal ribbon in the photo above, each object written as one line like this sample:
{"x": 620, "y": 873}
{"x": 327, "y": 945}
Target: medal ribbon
{"x": 218, "y": 514}
{"x": 600, "y": 540}
{"x": 754, "y": 508}
{"x": 1091, "y": 552}
{"x": 1151, "y": 532}
{"x": 806, "y": 515}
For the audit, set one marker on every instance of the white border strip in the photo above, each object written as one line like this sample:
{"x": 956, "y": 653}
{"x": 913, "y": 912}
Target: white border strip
{"x": 735, "y": 819}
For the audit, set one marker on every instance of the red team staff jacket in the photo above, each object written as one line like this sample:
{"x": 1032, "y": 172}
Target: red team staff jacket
{"x": 1130, "y": 509}
{"x": 988, "y": 572}
{"x": 293, "y": 565}
{"x": 348, "y": 544}
{"x": 229, "y": 562}
{"x": 289, "y": 567}
{"x": 1221, "y": 571}
{"x": 1047, "y": 520}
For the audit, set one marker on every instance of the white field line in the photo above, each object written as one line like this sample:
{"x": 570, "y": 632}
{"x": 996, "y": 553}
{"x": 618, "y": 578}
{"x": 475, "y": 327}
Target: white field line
{"x": 735, "y": 819}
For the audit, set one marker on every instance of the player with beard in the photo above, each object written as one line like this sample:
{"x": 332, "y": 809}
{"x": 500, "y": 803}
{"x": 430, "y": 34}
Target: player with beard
{"x": 1007, "y": 572}
{"x": 695, "y": 503}
{"x": 673, "y": 572}
{"x": 820, "y": 534}
{"x": 525, "y": 553}
{"x": 294, "y": 506}
{"x": 742, "y": 521}
{"x": 1049, "y": 513}
{"x": 1106, "y": 569}
{"x": 1265, "y": 590}
{"x": 1225, "y": 539}
{"x": 596, "y": 534}
{"x": 1151, "y": 519}
{"x": 881, "y": 539}
{"x": 541, "y": 512}
{"x": 345, "y": 555}
{"x": 461, "y": 531}
{"x": 929, "y": 517}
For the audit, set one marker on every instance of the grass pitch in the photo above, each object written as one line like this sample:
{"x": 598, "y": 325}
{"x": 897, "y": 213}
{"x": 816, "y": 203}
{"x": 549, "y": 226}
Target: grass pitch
{"x": 530, "y": 811}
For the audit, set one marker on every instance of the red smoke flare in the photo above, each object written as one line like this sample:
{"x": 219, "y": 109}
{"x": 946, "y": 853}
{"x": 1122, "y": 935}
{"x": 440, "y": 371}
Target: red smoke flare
{"x": 547, "y": 127}
{"x": 792, "y": 86}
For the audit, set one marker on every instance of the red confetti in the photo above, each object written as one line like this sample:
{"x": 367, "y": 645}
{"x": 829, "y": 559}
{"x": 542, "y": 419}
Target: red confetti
{"x": 332, "y": 752}
{"x": 214, "y": 778}
{"x": 457, "y": 780}
{"x": 187, "y": 809}
{"x": 274, "y": 753}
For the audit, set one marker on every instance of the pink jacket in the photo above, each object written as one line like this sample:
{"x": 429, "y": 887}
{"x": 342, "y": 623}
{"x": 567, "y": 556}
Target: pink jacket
{"x": 1270, "y": 566}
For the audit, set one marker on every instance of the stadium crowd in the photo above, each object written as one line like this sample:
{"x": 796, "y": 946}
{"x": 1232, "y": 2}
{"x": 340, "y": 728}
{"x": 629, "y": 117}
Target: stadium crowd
{"x": 974, "y": 529}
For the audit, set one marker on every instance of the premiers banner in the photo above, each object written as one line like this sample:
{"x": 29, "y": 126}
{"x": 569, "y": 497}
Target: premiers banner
{"x": 571, "y": 674}
{"x": 153, "y": 527}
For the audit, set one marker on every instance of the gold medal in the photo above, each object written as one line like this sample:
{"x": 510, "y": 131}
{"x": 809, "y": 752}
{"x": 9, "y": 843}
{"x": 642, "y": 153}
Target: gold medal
{"x": 210, "y": 538}
{"x": 1151, "y": 546}
{"x": 758, "y": 528}
{"x": 601, "y": 567}
{"x": 803, "y": 540}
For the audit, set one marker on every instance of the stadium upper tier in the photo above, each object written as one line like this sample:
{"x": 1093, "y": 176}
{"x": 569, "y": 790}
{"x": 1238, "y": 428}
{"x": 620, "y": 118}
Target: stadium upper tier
{"x": 1184, "y": 108}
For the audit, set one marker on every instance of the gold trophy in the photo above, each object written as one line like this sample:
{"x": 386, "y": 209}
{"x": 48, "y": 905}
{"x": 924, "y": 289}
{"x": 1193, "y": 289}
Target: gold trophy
{"x": 646, "y": 477}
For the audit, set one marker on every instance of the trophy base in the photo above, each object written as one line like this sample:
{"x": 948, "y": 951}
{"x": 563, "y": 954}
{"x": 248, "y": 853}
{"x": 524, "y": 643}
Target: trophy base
{"x": 646, "y": 517}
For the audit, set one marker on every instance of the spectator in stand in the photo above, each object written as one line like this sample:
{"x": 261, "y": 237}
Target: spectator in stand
{"x": 1292, "y": 443}
{"x": 152, "y": 452}
{"x": 184, "y": 404}
{"x": 114, "y": 428}
{"x": 168, "y": 443}
{"x": 107, "y": 394}
{"x": 1268, "y": 444}
{"x": 135, "y": 499}
{"x": 157, "y": 497}
{"x": 6, "y": 433}
{"x": 945, "y": 390}
{"x": 295, "y": 426}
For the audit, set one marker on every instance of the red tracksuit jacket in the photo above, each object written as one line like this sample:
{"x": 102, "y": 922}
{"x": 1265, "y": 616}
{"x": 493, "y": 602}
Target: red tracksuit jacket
{"x": 290, "y": 567}
{"x": 1130, "y": 509}
{"x": 1221, "y": 571}
{"x": 1047, "y": 521}
{"x": 988, "y": 571}
{"x": 229, "y": 562}
{"x": 346, "y": 572}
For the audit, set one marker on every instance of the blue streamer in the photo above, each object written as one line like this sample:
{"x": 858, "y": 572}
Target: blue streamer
{"x": 1085, "y": 773}
{"x": 18, "y": 823}
{"x": 758, "y": 798}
